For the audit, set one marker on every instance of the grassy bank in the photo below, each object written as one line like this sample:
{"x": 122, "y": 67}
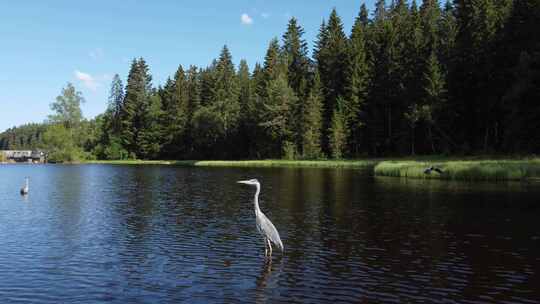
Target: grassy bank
{"x": 365, "y": 163}
{"x": 454, "y": 169}
{"x": 506, "y": 169}
{"x": 130, "y": 162}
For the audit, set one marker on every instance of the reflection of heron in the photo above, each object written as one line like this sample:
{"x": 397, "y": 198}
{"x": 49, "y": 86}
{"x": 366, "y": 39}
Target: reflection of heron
{"x": 432, "y": 168}
{"x": 264, "y": 225}
{"x": 24, "y": 190}
{"x": 267, "y": 281}
{"x": 262, "y": 282}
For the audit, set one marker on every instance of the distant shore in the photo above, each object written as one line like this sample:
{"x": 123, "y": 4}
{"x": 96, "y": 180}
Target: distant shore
{"x": 481, "y": 169}
{"x": 473, "y": 168}
{"x": 363, "y": 163}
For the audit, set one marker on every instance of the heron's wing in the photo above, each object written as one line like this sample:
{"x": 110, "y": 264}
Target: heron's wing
{"x": 269, "y": 230}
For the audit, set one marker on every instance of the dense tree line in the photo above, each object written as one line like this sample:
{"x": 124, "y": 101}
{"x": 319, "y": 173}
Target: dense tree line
{"x": 458, "y": 78}
{"x": 29, "y": 136}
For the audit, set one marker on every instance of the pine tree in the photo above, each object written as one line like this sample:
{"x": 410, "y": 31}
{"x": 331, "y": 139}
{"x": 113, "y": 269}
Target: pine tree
{"x": 208, "y": 133}
{"x": 413, "y": 116}
{"x": 136, "y": 101}
{"x": 412, "y": 63}
{"x": 404, "y": 72}
{"x": 363, "y": 16}
{"x": 477, "y": 26}
{"x": 319, "y": 53}
{"x": 130, "y": 107}
{"x": 338, "y": 133}
{"x": 380, "y": 11}
{"x": 207, "y": 83}
{"x": 519, "y": 63}
{"x": 356, "y": 85}
{"x": 193, "y": 87}
{"x": 110, "y": 122}
{"x": 273, "y": 67}
{"x": 166, "y": 94}
{"x": 311, "y": 140}
{"x": 268, "y": 100}
{"x": 150, "y": 138}
{"x": 216, "y": 120}
{"x": 430, "y": 13}
{"x": 331, "y": 58}
{"x": 295, "y": 52}
{"x": 386, "y": 76}
{"x": 277, "y": 118}
{"x": 179, "y": 107}
{"x": 227, "y": 91}
{"x": 246, "y": 125}
{"x": 193, "y": 90}
{"x": 116, "y": 99}
{"x": 434, "y": 87}
{"x": 258, "y": 80}
{"x": 244, "y": 84}
{"x": 175, "y": 103}
{"x": 259, "y": 148}
{"x": 447, "y": 36}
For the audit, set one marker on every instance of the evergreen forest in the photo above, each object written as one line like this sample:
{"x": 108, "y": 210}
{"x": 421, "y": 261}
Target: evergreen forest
{"x": 455, "y": 78}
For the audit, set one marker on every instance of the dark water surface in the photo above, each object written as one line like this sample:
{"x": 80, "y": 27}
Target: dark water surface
{"x": 163, "y": 234}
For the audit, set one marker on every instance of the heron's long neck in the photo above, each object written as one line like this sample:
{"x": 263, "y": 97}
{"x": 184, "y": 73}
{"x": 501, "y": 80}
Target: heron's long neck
{"x": 26, "y": 183}
{"x": 256, "y": 199}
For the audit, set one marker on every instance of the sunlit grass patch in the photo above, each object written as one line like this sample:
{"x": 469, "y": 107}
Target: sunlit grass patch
{"x": 249, "y": 163}
{"x": 462, "y": 169}
{"x": 289, "y": 163}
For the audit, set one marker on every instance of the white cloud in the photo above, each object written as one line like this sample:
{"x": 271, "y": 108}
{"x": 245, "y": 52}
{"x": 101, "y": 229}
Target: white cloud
{"x": 96, "y": 53}
{"x": 246, "y": 19}
{"x": 265, "y": 15}
{"x": 87, "y": 80}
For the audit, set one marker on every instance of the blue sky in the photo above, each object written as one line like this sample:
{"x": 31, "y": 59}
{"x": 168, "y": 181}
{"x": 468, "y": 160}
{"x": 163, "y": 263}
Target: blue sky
{"x": 45, "y": 44}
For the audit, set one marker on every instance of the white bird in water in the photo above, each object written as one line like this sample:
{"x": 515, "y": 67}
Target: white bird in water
{"x": 25, "y": 189}
{"x": 264, "y": 225}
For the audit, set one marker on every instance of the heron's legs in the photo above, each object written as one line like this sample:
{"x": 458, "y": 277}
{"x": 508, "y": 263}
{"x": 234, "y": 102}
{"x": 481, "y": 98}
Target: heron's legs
{"x": 265, "y": 247}
{"x": 269, "y": 246}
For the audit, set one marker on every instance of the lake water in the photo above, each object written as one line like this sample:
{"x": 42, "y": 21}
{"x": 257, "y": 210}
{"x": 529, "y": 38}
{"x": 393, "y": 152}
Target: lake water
{"x": 164, "y": 234}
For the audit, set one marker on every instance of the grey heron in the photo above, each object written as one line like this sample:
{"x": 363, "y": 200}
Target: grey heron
{"x": 264, "y": 225}
{"x": 24, "y": 190}
{"x": 432, "y": 168}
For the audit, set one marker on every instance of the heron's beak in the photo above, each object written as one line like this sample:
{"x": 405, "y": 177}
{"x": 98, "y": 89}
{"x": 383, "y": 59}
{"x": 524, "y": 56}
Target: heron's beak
{"x": 243, "y": 182}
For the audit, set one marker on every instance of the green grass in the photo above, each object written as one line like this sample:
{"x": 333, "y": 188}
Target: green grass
{"x": 502, "y": 169}
{"x": 291, "y": 163}
{"x": 248, "y": 163}
{"x": 453, "y": 168}
{"x": 130, "y": 162}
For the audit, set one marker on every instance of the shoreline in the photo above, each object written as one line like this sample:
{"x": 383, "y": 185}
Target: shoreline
{"x": 487, "y": 169}
{"x": 267, "y": 163}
